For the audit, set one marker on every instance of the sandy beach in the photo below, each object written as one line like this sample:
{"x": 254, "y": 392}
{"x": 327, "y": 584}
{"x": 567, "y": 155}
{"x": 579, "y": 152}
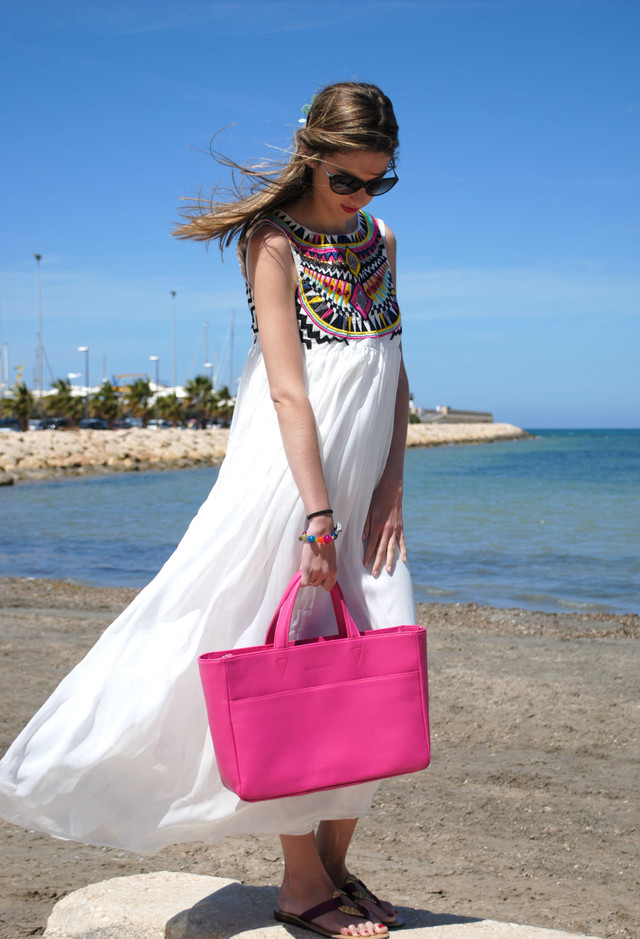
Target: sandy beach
{"x": 528, "y": 813}
{"x": 49, "y": 453}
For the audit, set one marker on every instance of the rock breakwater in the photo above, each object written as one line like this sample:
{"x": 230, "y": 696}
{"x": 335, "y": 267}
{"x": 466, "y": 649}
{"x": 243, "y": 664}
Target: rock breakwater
{"x": 440, "y": 434}
{"x": 47, "y": 453}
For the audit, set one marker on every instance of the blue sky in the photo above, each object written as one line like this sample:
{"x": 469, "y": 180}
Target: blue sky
{"x": 517, "y": 214}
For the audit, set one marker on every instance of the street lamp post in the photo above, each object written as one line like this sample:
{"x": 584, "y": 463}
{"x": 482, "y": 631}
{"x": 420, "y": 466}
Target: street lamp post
{"x": 38, "y": 258}
{"x": 173, "y": 338}
{"x": 156, "y": 359}
{"x": 85, "y": 349}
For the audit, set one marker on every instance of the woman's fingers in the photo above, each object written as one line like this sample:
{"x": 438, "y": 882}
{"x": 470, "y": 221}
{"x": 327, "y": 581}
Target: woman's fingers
{"x": 402, "y": 546}
{"x": 382, "y": 552}
{"x": 318, "y": 566}
{"x": 327, "y": 582}
{"x": 367, "y": 526}
{"x": 370, "y": 551}
{"x": 391, "y": 553}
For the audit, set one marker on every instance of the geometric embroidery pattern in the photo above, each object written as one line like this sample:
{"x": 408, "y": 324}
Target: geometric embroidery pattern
{"x": 345, "y": 291}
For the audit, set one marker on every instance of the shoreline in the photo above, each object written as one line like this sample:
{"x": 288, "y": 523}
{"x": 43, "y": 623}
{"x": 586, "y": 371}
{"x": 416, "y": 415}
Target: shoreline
{"x": 51, "y": 454}
{"x": 525, "y": 814}
{"x": 32, "y": 592}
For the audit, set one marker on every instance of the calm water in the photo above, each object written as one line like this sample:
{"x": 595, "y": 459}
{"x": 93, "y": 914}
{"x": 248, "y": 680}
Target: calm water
{"x": 551, "y": 523}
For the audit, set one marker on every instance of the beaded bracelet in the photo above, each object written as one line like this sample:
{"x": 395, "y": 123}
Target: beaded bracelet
{"x": 321, "y": 539}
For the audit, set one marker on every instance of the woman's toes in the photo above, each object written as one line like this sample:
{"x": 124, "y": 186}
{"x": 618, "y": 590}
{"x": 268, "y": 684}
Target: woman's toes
{"x": 372, "y": 929}
{"x": 364, "y": 930}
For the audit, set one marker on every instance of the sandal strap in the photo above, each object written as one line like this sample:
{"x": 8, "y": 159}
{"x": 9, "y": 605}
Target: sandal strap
{"x": 358, "y": 890}
{"x": 337, "y": 902}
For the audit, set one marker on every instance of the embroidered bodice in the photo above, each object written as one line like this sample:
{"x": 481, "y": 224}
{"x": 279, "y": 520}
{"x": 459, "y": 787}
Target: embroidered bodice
{"x": 345, "y": 290}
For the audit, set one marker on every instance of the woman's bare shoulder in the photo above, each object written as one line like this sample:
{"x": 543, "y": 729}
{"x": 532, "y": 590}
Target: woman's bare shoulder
{"x": 269, "y": 248}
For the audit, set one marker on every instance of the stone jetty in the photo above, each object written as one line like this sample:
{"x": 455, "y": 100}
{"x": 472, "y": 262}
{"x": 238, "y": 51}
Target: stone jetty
{"x": 440, "y": 433}
{"x": 46, "y": 453}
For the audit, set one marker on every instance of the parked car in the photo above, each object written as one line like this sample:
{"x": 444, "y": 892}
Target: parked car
{"x": 9, "y": 423}
{"x": 93, "y": 423}
{"x": 124, "y": 423}
{"x": 55, "y": 423}
{"x": 160, "y": 424}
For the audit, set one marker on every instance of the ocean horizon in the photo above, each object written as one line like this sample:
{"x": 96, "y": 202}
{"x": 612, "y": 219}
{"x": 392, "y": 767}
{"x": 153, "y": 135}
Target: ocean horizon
{"x": 550, "y": 523}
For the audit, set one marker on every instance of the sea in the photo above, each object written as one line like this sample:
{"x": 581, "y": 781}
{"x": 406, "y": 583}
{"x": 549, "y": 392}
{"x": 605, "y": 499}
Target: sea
{"x": 551, "y": 523}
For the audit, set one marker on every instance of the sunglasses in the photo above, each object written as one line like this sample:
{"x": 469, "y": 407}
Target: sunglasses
{"x": 344, "y": 184}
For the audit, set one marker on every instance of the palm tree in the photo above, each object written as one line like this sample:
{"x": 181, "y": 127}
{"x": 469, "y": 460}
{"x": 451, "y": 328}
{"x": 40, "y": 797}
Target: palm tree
{"x": 22, "y": 404}
{"x": 171, "y": 408}
{"x": 106, "y": 403}
{"x": 200, "y": 398}
{"x": 138, "y": 396}
{"x": 64, "y": 403}
{"x": 224, "y": 405}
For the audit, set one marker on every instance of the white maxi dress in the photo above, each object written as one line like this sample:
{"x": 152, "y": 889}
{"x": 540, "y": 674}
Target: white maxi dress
{"x": 121, "y": 754}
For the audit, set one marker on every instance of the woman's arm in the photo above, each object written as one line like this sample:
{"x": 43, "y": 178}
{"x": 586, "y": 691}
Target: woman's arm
{"x": 383, "y": 530}
{"x": 273, "y": 278}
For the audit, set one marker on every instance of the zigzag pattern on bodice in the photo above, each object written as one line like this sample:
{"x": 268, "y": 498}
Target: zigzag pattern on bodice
{"x": 345, "y": 289}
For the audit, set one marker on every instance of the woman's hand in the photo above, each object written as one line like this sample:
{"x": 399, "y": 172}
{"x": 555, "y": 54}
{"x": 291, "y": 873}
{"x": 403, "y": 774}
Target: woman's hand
{"x": 318, "y": 566}
{"x": 318, "y": 563}
{"x": 383, "y": 530}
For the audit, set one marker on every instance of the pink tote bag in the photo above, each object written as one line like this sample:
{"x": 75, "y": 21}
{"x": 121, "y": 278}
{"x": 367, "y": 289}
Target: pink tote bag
{"x": 290, "y": 717}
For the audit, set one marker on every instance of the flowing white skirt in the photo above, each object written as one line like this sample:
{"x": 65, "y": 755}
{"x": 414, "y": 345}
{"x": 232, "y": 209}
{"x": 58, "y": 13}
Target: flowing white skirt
{"x": 120, "y": 754}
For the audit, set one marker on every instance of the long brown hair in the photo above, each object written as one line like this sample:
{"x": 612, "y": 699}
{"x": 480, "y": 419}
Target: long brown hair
{"x": 343, "y": 116}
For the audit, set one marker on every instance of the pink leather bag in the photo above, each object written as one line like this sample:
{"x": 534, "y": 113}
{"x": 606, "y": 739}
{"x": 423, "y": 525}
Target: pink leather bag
{"x": 288, "y": 718}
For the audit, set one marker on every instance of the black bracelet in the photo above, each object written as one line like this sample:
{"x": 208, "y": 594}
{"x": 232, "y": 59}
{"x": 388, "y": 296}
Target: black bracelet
{"x": 321, "y": 512}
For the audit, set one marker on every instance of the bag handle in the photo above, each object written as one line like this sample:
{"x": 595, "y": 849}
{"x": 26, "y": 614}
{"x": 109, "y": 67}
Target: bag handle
{"x": 280, "y": 626}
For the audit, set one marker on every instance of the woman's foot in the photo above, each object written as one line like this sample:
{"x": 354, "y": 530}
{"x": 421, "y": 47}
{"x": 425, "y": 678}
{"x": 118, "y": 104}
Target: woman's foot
{"x": 378, "y": 909}
{"x": 333, "y": 838}
{"x": 309, "y": 898}
{"x": 335, "y": 917}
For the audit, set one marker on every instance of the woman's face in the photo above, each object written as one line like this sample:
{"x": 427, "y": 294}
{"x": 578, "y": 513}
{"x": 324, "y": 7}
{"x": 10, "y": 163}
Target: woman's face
{"x": 364, "y": 165}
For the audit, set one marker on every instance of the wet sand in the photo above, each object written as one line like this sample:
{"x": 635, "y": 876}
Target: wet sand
{"x": 528, "y": 813}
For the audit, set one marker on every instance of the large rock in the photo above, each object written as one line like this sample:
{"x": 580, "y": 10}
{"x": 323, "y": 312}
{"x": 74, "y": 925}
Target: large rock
{"x": 189, "y": 906}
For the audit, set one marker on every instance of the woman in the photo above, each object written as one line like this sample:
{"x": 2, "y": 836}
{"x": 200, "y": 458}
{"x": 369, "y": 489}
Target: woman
{"x": 120, "y": 754}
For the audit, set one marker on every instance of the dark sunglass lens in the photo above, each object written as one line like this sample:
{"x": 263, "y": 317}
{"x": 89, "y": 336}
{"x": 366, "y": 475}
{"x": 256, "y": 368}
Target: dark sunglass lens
{"x": 377, "y": 187}
{"x": 344, "y": 184}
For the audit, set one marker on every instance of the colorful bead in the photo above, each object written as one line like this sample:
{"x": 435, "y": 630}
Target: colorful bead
{"x": 321, "y": 539}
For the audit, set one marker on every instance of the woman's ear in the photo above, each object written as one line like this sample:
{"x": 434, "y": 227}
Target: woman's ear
{"x": 306, "y": 156}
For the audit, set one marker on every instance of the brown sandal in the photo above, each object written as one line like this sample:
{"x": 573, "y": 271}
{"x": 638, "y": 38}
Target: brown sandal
{"x": 357, "y": 890}
{"x": 337, "y": 902}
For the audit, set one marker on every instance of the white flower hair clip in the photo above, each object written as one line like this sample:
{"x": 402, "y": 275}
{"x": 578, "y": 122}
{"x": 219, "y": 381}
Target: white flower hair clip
{"x": 305, "y": 110}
